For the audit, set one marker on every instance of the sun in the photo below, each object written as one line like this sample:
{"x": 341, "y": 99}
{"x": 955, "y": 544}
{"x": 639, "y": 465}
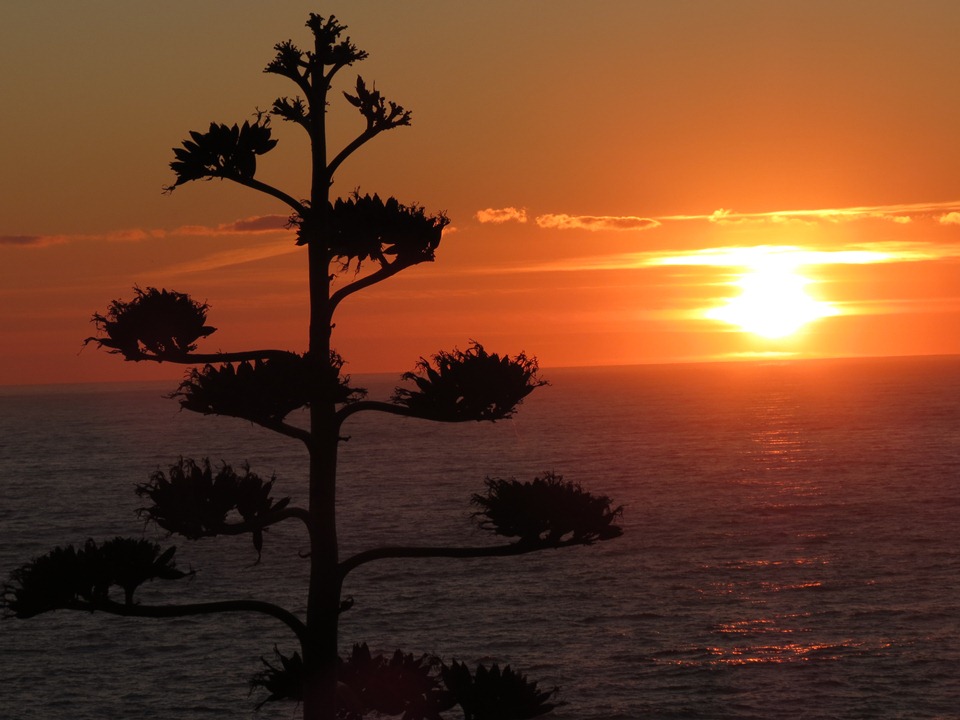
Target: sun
{"x": 773, "y": 301}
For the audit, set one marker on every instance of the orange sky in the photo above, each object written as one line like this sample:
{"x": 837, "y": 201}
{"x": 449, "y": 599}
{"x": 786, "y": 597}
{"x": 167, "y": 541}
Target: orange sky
{"x": 600, "y": 162}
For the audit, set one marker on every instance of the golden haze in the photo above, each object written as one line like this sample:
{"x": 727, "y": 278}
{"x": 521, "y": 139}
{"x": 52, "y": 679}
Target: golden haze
{"x": 642, "y": 132}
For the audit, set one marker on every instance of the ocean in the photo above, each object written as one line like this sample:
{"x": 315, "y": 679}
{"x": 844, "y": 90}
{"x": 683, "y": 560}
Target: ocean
{"x": 790, "y": 545}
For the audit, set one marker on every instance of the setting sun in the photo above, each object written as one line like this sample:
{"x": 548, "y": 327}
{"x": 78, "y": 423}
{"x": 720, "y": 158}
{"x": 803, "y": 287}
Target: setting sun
{"x": 773, "y": 301}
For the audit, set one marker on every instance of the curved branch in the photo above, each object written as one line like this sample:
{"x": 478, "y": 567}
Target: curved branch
{"x": 277, "y": 426}
{"x": 347, "y": 151}
{"x": 263, "y": 187}
{"x": 385, "y": 271}
{"x": 282, "y": 428}
{"x": 208, "y": 358}
{"x": 327, "y": 78}
{"x": 395, "y": 552}
{"x": 207, "y": 608}
{"x": 395, "y": 409}
{"x": 378, "y": 405}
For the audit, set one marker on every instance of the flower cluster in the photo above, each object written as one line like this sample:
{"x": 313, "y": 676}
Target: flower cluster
{"x": 546, "y": 510}
{"x": 193, "y": 500}
{"x": 365, "y": 227}
{"x": 495, "y": 694}
{"x": 156, "y": 324}
{"x": 265, "y": 391}
{"x": 69, "y": 577}
{"x": 469, "y": 385}
{"x": 223, "y": 151}
{"x": 412, "y": 688}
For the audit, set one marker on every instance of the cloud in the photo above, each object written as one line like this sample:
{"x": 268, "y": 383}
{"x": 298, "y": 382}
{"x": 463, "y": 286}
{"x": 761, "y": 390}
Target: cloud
{"x": 32, "y": 240}
{"x": 247, "y": 226}
{"x": 947, "y": 213}
{"x": 258, "y": 224}
{"x": 229, "y": 258}
{"x": 722, "y": 216}
{"x": 902, "y": 213}
{"x": 595, "y": 222}
{"x": 791, "y": 256}
{"x": 21, "y": 239}
{"x": 262, "y": 223}
{"x": 502, "y": 215}
{"x": 132, "y": 235}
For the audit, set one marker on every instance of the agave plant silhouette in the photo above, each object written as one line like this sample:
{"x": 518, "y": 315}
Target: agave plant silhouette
{"x": 156, "y": 324}
{"x": 495, "y": 694}
{"x": 350, "y": 244}
{"x": 546, "y": 510}
{"x": 469, "y": 385}
{"x": 81, "y": 578}
{"x": 223, "y": 152}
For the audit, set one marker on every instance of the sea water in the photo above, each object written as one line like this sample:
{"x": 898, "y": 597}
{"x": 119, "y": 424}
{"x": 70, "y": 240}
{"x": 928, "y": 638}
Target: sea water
{"x": 790, "y": 545}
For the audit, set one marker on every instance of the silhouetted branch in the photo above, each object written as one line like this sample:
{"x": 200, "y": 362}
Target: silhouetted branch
{"x": 263, "y": 187}
{"x": 544, "y": 513}
{"x": 328, "y": 49}
{"x": 290, "y": 63}
{"x": 396, "y": 552}
{"x": 376, "y": 405}
{"x": 380, "y": 113}
{"x": 394, "y": 409}
{"x": 207, "y": 608}
{"x": 306, "y": 69}
{"x": 282, "y": 428}
{"x": 351, "y": 148}
{"x": 295, "y": 111}
{"x": 384, "y": 272}
{"x": 207, "y": 358}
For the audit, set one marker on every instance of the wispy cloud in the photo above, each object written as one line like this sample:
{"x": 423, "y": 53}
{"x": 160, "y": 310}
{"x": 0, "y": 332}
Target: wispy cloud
{"x": 247, "y": 226}
{"x": 785, "y": 255}
{"x": 946, "y": 213}
{"x": 229, "y": 258}
{"x": 502, "y": 215}
{"x": 898, "y": 213}
{"x": 595, "y": 222}
{"x": 256, "y": 225}
{"x": 29, "y": 240}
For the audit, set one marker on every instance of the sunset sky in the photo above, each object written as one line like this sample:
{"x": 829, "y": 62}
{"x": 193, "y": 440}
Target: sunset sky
{"x": 617, "y": 175}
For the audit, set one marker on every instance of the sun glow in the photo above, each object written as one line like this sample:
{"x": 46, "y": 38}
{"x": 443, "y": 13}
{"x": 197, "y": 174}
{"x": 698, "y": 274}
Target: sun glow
{"x": 773, "y": 301}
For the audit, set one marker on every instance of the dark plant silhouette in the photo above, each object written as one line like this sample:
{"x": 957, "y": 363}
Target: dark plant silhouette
{"x": 546, "y": 511}
{"x": 81, "y": 578}
{"x": 469, "y": 385}
{"x": 492, "y": 694}
{"x": 156, "y": 324}
{"x": 351, "y": 244}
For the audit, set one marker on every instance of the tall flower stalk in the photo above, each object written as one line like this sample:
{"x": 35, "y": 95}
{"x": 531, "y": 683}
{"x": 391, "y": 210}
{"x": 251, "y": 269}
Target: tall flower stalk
{"x": 360, "y": 240}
